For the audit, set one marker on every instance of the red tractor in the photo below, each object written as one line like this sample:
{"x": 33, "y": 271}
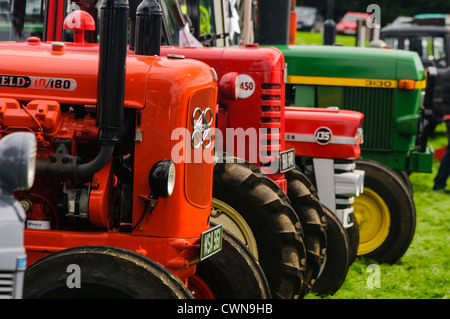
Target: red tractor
{"x": 111, "y": 212}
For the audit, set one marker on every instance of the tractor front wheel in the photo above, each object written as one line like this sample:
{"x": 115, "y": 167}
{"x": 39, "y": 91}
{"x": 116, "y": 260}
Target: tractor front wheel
{"x": 310, "y": 212}
{"x": 337, "y": 259}
{"x": 105, "y": 273}
{"x": 255, "y": 210}
{"x": 385, "y": 213}
{"x": 353, "y": 236}
{"x": 232, "y": 273}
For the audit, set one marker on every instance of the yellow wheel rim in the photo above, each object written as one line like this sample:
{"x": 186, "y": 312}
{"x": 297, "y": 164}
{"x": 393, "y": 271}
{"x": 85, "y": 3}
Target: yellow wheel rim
{"x": 222, "y": 213}
{"x": 373, "y": 218}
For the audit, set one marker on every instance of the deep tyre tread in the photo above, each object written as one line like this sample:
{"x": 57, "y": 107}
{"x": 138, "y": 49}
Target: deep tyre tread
{"x": 353, "y": 236}
{"x": 386, "y": 183}
{"x": 312, "y": 218}
{"x": 352, "y": 231}
{"x": 337, "y": 260}
{"x": 234, "y": 272}
{"x": 106, "y": 272}
{"x": 272, "y": 220}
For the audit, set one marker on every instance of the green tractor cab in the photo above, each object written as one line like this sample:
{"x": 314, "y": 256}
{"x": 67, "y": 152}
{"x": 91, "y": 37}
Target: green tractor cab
{"x": 429, "y": 36}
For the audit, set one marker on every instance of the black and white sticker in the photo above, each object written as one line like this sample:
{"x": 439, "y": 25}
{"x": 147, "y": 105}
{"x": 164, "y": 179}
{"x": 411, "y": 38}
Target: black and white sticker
{"x": 37, "y": 82}
{"x": 323, "y": 135}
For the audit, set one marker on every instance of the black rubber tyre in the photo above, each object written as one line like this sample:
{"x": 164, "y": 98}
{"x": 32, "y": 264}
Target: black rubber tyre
{"x": 353, "y": 236}
{"x": 243, "y": 197}
{"x": 106, "y": 273}
{"x": 234, "y": 272}
{"x": 337, "y": 260}
{"x": 352, "y": 231}
{"x": 312, "y": 218}
{"x": 404, "y": 176}
{"x": 385, "y": 213}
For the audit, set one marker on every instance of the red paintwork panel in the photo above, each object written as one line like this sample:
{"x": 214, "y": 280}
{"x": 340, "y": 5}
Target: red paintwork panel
{"x": 302, "y": 123}
{"x": 173, "y": 253}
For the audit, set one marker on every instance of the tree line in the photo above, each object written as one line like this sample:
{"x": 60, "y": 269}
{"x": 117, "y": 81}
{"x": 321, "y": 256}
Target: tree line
{"x": 390, "y": 9}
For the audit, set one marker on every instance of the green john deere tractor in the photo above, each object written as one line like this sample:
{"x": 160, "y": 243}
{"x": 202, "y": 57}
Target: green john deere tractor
{"x": 387, "y": 86}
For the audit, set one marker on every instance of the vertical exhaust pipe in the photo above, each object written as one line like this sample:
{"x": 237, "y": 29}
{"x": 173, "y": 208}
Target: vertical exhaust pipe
{"x": 329, "y": 28}
{"x": 111, "y": 69}
{"x": 110, "y": 93}
{"x": 273, "y": 13}
{"x": 111, "y": 81}
{"x": 148, "y": 28}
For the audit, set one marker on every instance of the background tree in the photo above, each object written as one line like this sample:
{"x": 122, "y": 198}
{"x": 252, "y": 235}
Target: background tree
{"x": 390, "y": 9}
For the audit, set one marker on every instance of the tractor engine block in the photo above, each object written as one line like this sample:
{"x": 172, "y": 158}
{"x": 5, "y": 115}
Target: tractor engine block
{"x": 63, "y": 134}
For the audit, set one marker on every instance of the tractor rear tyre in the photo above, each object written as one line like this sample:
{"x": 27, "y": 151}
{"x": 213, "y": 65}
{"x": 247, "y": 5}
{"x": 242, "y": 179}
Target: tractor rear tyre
{"x": 232, "y": 273}
{"x": 337, "y": 259}
{"x": 312, "y": 218}
{"x": 105, "y": 273}
{"x": 255, "y": 210}
{"x": 385, "y": 213}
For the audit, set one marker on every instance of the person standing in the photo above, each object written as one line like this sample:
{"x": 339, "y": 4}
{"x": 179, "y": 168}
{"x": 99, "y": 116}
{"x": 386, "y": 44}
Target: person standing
{"x": 440, "y": 181}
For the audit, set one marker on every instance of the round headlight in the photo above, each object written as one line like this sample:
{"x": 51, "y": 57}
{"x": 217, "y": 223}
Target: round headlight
{"x": 17, "y": 161}
{"x": 229, "y": 86}
{"x": 162, "y": 178}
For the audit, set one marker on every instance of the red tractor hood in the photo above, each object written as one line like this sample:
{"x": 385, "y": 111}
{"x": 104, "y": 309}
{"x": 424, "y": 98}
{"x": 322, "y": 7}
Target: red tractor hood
{"x": 326, "y": 133}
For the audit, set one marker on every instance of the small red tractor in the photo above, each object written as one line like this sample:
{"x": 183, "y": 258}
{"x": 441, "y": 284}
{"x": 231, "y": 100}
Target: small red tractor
{"x": 112, "y": 213}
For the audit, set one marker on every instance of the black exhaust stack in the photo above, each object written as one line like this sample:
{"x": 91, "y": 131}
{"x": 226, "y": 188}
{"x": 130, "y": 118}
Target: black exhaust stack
{"x": 111, "y": 69}
{"x": 110, "y": 98}
{"x": 273, "y": 22}
{"x": 148, "y": 28}
{"x": 111, "y": 81}
{"x": 329, "y": 26}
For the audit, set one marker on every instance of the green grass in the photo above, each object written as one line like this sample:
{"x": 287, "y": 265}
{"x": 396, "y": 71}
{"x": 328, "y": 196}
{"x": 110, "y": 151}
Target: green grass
{"x": 424, "y": 271}
{"x": 316, "y": 38}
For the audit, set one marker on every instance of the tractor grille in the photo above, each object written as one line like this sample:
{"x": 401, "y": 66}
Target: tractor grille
{"x": 6, "y": 284}
{"x": 270, "y": 135}
{"x": 377, "y": 106}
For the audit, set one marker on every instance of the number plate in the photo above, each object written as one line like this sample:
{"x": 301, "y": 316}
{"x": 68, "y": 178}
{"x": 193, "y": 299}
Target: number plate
{"x": 211, "y": 242}
{"x": 287, "y": 160}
